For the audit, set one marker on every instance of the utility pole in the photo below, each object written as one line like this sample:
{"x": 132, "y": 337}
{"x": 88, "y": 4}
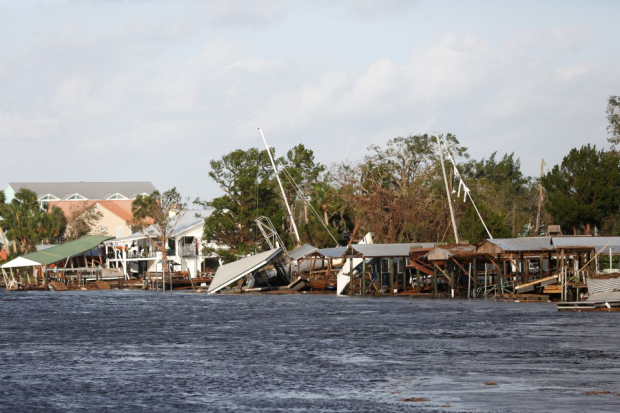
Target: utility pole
{"x": 540, "y": 196}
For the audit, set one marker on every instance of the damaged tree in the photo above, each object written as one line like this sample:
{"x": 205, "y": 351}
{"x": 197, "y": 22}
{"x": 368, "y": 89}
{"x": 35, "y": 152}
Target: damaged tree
{"x": 156, "y": 216}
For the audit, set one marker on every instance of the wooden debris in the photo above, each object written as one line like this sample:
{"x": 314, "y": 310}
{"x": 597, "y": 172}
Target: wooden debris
{"x": 57, "y": 286}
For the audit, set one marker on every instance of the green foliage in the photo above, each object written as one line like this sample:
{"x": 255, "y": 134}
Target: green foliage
{"x": 250, "y": 191}
{"x": 472, "y": 230}
{"x": 157, "y": 216}
{"x": 584, "y": 190}
{"x": 613, "y": 117}
{"x": 502, "y": 193}
{"x": 26, "y": 224}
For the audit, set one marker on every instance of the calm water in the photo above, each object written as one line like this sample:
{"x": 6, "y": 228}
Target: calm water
{"x": 145, "y": 351}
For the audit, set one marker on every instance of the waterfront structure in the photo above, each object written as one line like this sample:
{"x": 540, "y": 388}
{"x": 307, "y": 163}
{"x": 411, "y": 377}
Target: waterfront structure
{"x": 80, "y": 260}
{"x": 138, "y": 253}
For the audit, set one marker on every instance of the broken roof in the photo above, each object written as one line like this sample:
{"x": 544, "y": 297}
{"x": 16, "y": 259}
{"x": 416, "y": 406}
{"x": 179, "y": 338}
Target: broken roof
{"x": 444, "y": 252}
{"x": 233, "y": 271}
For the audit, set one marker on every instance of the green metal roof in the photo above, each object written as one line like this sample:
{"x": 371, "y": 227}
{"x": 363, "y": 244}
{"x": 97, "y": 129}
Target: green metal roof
{"x": 64, "y": 251}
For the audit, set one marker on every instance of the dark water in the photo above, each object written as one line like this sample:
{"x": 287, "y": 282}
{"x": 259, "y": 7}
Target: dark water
{"x": 144, "y": 351}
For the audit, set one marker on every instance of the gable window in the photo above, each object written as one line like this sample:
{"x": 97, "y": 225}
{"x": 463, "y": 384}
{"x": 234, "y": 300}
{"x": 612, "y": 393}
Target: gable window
{"x": 117, "y": 196}
{"x": 76, "y": 197}
{"x": 45, "y": 200}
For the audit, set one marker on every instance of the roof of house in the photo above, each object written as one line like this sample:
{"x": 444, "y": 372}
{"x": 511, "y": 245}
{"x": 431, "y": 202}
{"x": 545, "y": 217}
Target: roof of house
{"x": 189, "y": 220}
{"x": 58, "y": 253}
{"x": 89, "y": 190}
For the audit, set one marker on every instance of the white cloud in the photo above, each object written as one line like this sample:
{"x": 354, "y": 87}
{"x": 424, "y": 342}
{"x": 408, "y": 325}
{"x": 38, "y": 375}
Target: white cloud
{"x": 243, "y": 12}
{"x": 71, "y": 93}
{"x": 568, "y": 73}
{"x": 19, "y": 128}
{"x": 572, "y": 38}
{"x": 372, "y": 9}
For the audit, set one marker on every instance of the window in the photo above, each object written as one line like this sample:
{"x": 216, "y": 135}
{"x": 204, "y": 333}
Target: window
{"x": 76, "y": 197}
{"x": 117, "y": 196}
{"x": 44, "y": 201}
{"x": 120, "y": 232}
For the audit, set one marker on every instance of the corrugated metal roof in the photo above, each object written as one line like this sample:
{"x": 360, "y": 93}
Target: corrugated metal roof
{"x": 598, "y": 243}
{"x": 302, "y": 251}
{"x": 386, "y": 250}
{"x": 64, "y": 251}
{"x": 523, "y": 244}
{"x": 336, "y": 252}
{"x": 233, "y": 271}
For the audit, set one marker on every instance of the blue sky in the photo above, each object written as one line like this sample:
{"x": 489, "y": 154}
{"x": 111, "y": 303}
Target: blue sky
{"x": 120, "y": 90}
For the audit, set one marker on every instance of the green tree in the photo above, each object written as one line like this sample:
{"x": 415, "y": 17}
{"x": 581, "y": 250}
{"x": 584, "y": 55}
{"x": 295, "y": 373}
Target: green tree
{"x": 157, "y": 215}
{"x": 613, "y": 117}
{"x": 508, "y": 197}
{"x": 26, "y": 224}
{"x": 584, "y": 190}
{"x": 250, "y": 191}
{"x": 308, "y": 194}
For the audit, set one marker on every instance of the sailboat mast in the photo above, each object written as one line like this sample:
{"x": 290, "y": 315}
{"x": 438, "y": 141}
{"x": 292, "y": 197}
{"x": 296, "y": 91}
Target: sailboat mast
{"x": 288, "y": 208}
{"x": 445, "y": 180}
{"x": 540, "y": 196}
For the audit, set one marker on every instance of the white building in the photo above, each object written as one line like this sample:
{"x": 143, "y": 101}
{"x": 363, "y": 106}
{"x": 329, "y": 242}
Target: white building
{"x": 136, "y": 254}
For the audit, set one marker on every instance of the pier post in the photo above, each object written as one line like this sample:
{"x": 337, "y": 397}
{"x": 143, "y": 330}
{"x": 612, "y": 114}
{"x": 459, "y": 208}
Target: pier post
{"x": 363, "y": 279}
{"x": 392, "y": 271}
{"x": 435, "y": 281}
{"x": 351, "y": 278}
{"x": 417, "y": 280}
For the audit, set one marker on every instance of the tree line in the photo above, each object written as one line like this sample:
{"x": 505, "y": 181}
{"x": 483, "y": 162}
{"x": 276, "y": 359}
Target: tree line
{"x": 396, "y": 191}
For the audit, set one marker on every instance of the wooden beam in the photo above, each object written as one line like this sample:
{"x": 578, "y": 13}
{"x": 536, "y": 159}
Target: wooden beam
{"x": 417, "y": 265}
{"x": 466, "y": 272}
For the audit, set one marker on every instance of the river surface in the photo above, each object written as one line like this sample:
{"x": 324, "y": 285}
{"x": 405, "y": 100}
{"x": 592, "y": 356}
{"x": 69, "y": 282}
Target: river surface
{"x": 126, "y": 351}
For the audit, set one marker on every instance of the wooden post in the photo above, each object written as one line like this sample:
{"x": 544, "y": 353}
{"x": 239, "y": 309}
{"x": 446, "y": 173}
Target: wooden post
{"x": 350, "y": 276}
{"x": 469, "y": 283}
{"x": 475, "y": 271}
{"x": 486, "y": 277}
{"x": 435, "y": 292}
{"x": 363, "y": 279}
{"x": 392, "y": 274}
{"x": 500, "y": 274}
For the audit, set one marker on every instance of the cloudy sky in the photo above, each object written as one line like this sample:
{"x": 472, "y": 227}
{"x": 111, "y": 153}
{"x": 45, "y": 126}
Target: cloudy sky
{"x": 127, "y": 90}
